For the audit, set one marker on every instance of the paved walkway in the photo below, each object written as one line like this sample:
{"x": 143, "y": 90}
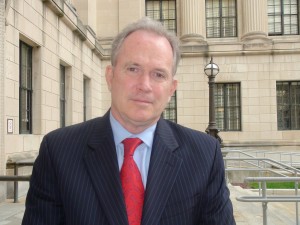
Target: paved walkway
{"x": 12, "y": 213}
{"x": 245, "y": 213}
{"x": 248, "y": 213}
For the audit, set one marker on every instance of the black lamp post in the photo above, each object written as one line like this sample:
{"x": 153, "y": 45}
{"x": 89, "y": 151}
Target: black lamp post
{"x": 211, "y": 70}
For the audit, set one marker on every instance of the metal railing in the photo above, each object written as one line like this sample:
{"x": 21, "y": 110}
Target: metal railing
{"x": 281, "y": 172}
{"x": 289, "y": 158}
{"x": 265, "y": 199}
{"x": 16, "y": 177}
{"x": 248, "y": 162}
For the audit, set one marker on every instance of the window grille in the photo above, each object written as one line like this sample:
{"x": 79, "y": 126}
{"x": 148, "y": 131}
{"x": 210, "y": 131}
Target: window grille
{"x": 288, "y": 105}
{"x": 25, "y": 89}
{"x": 86, "y": 89}
{"x": 221, "y": 19}
{"x": 227, "y": 106}
{"x": 170, "y": 112}
{"x": 163, "y": 11}
{"x": 62, "y": 96}
{"x": 283, "y": 17}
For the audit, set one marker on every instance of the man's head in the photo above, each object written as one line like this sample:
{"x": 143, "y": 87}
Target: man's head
{"x": 141, "y": 77}
{"x": 152, "y": 26}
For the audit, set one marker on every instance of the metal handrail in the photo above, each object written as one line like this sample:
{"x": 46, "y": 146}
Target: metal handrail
{"x": 248, "y": 157}
{"x": 279, "y": 154}
{"x": 16, "y": 177}
{"x": 265, "y": 199}
{"x": 271, "y": 162}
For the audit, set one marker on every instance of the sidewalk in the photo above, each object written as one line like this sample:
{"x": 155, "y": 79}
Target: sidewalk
{"x": 12, "y": 213}
{"x": 245, "y": 213}
{"x": 248, "y": 213}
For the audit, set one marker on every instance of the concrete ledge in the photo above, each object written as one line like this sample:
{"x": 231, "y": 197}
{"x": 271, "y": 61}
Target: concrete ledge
{"x": 26, "y": 156}
{"x": 261, "y": 143}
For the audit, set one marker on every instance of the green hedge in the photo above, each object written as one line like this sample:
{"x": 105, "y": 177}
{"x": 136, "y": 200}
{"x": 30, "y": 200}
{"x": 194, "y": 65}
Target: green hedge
{"x": 276, "y": 185}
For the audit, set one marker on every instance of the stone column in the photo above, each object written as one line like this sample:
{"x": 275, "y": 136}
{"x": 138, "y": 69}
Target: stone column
{"x": 193, "y": 21}
{"x": 255, "y": 21}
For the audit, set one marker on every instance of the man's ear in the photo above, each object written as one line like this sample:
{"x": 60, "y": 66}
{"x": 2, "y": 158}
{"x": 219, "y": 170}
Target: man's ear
{"x": 172, "y": 89}
{"x": 109, "y": 76}
{"x": 174, "y": 86}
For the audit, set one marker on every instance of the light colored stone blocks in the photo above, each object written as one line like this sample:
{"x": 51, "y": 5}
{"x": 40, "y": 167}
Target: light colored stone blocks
{"x": 57, "y": 42}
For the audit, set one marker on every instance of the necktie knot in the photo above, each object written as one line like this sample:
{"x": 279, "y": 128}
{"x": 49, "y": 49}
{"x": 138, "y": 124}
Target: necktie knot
{"x": 130, "y": 144}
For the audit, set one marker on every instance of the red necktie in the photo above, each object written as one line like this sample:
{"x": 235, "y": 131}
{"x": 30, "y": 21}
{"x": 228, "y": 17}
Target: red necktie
{"x": 132, "y": 184}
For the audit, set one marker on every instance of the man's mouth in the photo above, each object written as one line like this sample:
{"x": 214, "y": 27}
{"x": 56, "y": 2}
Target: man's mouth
{"x": 142, "y": 101}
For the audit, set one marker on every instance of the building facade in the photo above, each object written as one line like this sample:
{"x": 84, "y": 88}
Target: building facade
{"x": 54, "y": 54}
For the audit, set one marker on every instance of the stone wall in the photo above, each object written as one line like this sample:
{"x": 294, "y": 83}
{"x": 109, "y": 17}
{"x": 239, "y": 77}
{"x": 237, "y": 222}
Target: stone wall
{"x": 58, "y": 37}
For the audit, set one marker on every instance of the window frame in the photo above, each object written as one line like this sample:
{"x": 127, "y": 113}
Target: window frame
{"x": 170, "y": 109}
{"x": 286, "y": 104}
{"x": 226, "y": 108}
{"x": 220, "y": 18}
{"x": 86, "y": 98}
{"x": 27, "y": 88}
{"x": 62, "y": 96}
{"x": 164, "y": 20}
{"x": 282, "y": 16}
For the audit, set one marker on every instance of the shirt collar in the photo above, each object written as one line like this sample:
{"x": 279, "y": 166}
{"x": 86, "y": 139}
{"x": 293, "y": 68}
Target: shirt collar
{"x": 120, "y": 133}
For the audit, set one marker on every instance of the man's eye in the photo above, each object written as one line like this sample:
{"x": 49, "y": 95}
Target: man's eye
{"x": 159, "y": 76}
{"x": 133, "y": 69}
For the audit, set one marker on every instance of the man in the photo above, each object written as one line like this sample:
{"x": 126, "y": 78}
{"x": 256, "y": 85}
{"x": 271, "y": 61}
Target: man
{"x": 78, "y": 177}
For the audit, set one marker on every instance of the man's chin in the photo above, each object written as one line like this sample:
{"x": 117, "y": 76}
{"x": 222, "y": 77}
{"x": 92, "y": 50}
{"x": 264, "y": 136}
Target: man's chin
{"x": 144, "y": 119}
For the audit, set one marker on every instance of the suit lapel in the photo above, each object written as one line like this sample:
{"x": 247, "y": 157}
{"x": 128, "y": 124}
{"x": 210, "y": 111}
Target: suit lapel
{"x": 102, "y": 165}
{"x": 164, "y": 167}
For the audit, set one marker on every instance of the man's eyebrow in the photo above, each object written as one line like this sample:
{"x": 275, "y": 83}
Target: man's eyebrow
{"x": 163, "y": 70}
{"x": 132, "y": 64}
{"x": 159, "y": 69}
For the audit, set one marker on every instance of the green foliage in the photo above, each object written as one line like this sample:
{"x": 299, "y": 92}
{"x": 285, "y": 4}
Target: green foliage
{"x": 275, "y": 185}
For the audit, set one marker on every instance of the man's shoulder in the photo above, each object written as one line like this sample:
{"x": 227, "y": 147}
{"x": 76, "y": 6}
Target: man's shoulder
{"x": 72, "y": 127}
{"x": 79, "y": 129}
{"x": 183, "y": 130}
{"x": 74, "y": 138}
{"x": 186, "y": 136}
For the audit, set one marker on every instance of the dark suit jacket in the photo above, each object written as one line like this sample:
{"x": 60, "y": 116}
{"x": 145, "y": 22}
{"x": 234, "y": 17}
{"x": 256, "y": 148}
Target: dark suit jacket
{"x": 75, "y": 179}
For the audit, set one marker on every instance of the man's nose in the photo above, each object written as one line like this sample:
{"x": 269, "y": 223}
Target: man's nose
{"x": 144, "y": 81}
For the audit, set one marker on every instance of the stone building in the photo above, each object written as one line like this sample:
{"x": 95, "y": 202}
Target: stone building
{"x": 53, "y": 55}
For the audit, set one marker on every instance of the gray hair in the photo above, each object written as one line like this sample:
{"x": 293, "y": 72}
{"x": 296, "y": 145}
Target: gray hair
{"x": 150, "y": 25}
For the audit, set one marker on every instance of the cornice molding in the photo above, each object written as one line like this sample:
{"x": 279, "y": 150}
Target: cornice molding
{"x": 68, "y": 14}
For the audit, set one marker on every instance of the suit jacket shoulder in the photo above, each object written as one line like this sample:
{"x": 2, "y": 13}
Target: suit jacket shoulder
{"x": 188, "y": 139}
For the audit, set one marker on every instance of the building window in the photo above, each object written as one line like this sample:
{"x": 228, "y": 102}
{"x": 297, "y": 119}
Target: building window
{"x": 283, "y": 17}
{"x": 62, "y": 96}
{"x": 221, "y": 19}
{"x": 228, "y": 106}
{"x": 170, "y": 112}
{"x": 164, "y": 11}
{"x": 25, "y": 89}
{"x": 288, "y": 105}
{"x": 86, "y": 89}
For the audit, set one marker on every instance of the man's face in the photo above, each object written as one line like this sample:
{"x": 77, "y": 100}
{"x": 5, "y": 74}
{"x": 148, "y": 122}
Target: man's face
{"x": 141, "y": 82}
